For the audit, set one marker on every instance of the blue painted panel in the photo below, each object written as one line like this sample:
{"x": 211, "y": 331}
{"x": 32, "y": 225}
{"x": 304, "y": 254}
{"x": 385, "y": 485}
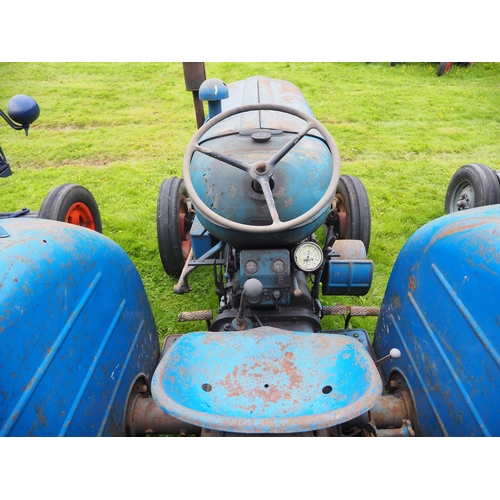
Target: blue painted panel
{"x": 76, "y": 328}
{"x": 272, "y": 281}
{"x": 200, "y": 239}
{"x": 288, "y": 238}
{"x": 266, "y": 380}
{"x": 264, "y": 90}
{"x": 441, "y": 310}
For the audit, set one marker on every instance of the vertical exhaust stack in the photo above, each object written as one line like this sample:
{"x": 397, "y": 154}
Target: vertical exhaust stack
{"x": 194, "y": 76}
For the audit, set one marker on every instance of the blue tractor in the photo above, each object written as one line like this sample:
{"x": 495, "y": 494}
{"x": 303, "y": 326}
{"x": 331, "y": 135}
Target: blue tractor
{"x": 261, "y": 202}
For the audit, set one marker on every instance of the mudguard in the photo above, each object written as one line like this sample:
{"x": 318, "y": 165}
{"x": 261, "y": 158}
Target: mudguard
{"x": 441, "y": 310}
{"x": 76, "y": 331}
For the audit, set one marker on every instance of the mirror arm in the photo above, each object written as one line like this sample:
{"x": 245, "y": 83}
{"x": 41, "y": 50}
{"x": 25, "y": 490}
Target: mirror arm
{"x": 15, "y": 126}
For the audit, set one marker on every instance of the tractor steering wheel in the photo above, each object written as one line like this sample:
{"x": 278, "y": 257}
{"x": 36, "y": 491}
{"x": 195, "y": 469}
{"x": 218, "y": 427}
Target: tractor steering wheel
{"x": 261, "y": 171}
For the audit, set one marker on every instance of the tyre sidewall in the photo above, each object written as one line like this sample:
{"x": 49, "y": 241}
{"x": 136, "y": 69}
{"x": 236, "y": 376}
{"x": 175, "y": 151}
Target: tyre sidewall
{"x": 357, "y": 206}
{"x": 59, "y": 200}
{"x": 167, "y": 225}
{"x": 483, "y": 181}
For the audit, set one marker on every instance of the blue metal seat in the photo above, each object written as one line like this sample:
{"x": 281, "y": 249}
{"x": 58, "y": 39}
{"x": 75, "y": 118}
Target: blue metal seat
{"x": 266, "y": 380}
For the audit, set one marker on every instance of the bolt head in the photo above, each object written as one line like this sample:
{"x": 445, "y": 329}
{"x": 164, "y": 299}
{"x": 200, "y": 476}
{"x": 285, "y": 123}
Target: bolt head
{"x": 261, "y": 168}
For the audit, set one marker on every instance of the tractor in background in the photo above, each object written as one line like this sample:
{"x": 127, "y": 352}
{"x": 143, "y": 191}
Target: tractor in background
{"x": 471, "y": 186}
{"x": 66, "y": 203}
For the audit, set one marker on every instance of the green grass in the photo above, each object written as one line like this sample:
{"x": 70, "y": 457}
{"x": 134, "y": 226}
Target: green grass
{"x": 120, "y": 129}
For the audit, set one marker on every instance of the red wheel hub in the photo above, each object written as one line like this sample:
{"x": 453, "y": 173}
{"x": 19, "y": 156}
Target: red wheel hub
{"x": 80, "y": 215}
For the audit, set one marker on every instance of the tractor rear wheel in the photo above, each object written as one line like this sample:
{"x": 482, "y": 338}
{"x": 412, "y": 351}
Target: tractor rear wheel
{"x": 353, "y": 209}
{"x": 73, "y": 204}
{"x": 473, "y": 185}
{"x": 173, "y": 223}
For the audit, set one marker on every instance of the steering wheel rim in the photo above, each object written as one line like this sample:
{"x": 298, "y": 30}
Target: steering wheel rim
{"x": 277, "y": 225}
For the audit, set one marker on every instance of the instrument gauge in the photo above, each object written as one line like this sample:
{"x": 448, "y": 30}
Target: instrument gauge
{"x": 251, "y": 267}
{"x": 278, "y": 266}
{"x": 308, "y": 256}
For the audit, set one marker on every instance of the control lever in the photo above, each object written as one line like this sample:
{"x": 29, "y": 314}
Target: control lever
{"x": 252, "y": 293}
{"x": 394, "y": 353}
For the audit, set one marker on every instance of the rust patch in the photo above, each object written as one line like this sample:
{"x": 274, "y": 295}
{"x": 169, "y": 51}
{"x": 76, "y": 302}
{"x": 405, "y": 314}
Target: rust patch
{"x": 230, "y": 382}
{"x": 260, "y": 389}
{"x": 41, "y": 415}
{"x": 457, "y": 228}
{"x": 412, "y": 283}
{"x": 396, "y": 301}
{"x": 279, "y": 193}
{"x": 291, "y": 370}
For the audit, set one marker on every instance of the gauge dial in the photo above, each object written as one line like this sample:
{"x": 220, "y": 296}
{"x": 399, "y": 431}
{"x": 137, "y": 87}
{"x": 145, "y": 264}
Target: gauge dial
{"x": 251, "y": 267}
{"x": 308, "y": 256}
{"x": 278, "y": 266}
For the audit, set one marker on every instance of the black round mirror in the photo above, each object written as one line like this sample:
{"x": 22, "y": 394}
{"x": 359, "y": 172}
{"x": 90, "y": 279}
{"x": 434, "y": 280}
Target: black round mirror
{"x": 23, "y": 109}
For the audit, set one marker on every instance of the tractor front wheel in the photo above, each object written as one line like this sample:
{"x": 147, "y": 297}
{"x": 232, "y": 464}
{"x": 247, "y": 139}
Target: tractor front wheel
{"x": 73, "y": 204}
{"x": 174, "y": 218}
{"x": 353, "y": 210}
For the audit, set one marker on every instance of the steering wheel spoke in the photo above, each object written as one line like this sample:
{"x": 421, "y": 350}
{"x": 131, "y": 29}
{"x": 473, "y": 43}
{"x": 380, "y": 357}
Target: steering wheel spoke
{"x": 224, "y": 158}
{"x": 289, "y": 145}
{"x": 268, "y": 195}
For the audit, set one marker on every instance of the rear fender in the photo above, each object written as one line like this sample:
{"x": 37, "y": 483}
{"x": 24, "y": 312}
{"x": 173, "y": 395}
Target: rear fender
{"x": 441, "y": 310}
{"x": 76, "y": 331}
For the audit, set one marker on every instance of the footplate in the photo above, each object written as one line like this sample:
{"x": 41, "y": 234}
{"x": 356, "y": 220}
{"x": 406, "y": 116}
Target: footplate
{"x": 266, "y": 380}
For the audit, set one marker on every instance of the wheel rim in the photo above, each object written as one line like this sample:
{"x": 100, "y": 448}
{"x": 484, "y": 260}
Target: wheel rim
{"x": 184, "y": 232}
{"x": 79, "y": 214}
{"x": 448, "y": 67}
{"x": 463, "y": 197}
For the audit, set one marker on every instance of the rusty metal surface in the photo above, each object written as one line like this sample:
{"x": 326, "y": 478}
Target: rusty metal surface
{"x": 390, "y": 411}
{"x": 147, "y": 418}
{"x": 266, "y": 380}
{"x": 194, "y": 76}
{"x": 349, "y": 249}
{"x": 330, "y": 432}
{"x": 405, "y": 430}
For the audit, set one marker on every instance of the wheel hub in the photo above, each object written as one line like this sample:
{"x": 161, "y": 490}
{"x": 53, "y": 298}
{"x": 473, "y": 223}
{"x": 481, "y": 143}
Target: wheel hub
{"x": 80, "y": 215}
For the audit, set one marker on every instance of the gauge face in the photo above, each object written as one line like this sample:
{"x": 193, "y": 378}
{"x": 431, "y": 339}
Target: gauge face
{"x": 278, "y": 266}
{"x": 251, "y": 266}
{"x": 308, "y": 256}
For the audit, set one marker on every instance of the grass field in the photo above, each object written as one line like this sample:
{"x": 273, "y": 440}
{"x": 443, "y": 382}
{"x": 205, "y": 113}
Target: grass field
{"x": 120, "y": 129}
